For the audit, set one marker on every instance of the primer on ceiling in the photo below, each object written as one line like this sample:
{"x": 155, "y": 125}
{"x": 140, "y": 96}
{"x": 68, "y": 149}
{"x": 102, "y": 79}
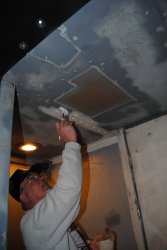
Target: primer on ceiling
{"x": 108, "y": 61}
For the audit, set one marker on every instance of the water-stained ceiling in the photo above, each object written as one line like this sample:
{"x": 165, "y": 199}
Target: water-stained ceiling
{"x": 106, "y": 64}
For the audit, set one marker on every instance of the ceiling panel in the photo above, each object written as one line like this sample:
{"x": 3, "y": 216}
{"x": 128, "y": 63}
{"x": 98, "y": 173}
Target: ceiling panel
{"x": 100, "y": 91}
{"x": 107, "y": 64}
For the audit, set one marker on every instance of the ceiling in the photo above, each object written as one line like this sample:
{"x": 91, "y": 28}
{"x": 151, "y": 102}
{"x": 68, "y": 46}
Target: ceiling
{"x": 104, "y": 61}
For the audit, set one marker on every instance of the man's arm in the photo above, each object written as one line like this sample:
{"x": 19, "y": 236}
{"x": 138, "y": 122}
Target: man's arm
{"x": 56, "y": 212}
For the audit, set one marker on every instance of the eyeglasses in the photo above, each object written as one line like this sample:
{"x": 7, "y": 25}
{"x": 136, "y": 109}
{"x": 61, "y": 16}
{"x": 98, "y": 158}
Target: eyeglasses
{"x": 32, "y": 177}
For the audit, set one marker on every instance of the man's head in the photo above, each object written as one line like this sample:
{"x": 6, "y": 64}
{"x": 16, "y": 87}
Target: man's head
{"x": 29, "y": 187}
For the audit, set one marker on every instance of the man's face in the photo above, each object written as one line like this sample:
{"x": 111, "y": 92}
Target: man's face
{"x": 33, "y": 189}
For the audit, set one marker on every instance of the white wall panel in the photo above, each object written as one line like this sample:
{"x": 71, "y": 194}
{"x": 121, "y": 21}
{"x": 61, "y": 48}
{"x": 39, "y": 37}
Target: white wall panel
{"x": 148, "y": 148}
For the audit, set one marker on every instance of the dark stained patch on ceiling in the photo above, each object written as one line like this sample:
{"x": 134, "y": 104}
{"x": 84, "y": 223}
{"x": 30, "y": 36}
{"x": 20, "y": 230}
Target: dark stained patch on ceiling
{"x": 95, "y": 93}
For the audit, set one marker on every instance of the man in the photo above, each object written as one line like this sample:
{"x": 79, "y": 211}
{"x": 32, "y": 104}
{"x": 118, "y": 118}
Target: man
{"x": 50, "y": 213}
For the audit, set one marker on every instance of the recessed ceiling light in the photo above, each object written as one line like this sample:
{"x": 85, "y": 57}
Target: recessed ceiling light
{"x": 28, "y": 147}
{"x": 23, "y": 45}
{"x": 40, "y": 23}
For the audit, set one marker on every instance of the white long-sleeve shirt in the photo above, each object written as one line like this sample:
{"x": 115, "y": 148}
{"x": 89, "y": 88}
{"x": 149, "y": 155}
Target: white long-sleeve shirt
{"x": 46, "y": 226}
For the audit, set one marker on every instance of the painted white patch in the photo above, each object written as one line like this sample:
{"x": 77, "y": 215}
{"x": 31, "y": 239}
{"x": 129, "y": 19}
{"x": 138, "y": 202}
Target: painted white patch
{"x": 165, "y": 45}
{"x": 125, "y": 33}
{"x": 75, "y": 38}
{"x": 3, "y": 207}
{"x": 3, "y": 239}
{"x": 47, "y": 101}
{"x": 160, "y": 29}
{"x": 8, "y": 106}
{"x": 35, "y": 81}
{"x": 134, "y": 49}
{"x": 152, "y": 76}
{"x": 147, "y": 12}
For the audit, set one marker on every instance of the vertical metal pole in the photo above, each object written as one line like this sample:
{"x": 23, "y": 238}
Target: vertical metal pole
{"x": 7, "y": 92}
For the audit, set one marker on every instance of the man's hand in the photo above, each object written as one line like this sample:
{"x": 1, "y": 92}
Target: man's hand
{"x": 66, "y": 131}
{"x": 93, "y": 245}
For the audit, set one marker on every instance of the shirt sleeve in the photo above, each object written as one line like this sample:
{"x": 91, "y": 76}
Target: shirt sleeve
{"x": 53, "y": 215}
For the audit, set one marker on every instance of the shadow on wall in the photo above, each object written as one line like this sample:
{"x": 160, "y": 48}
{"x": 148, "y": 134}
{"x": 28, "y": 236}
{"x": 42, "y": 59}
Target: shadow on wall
{"x": 85, "y": 189}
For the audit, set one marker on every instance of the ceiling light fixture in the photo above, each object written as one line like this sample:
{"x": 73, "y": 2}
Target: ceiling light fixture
{"x": 28, "y": 147}
{"x": 23, "y": 45}
{"x": 40, "y": 23}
